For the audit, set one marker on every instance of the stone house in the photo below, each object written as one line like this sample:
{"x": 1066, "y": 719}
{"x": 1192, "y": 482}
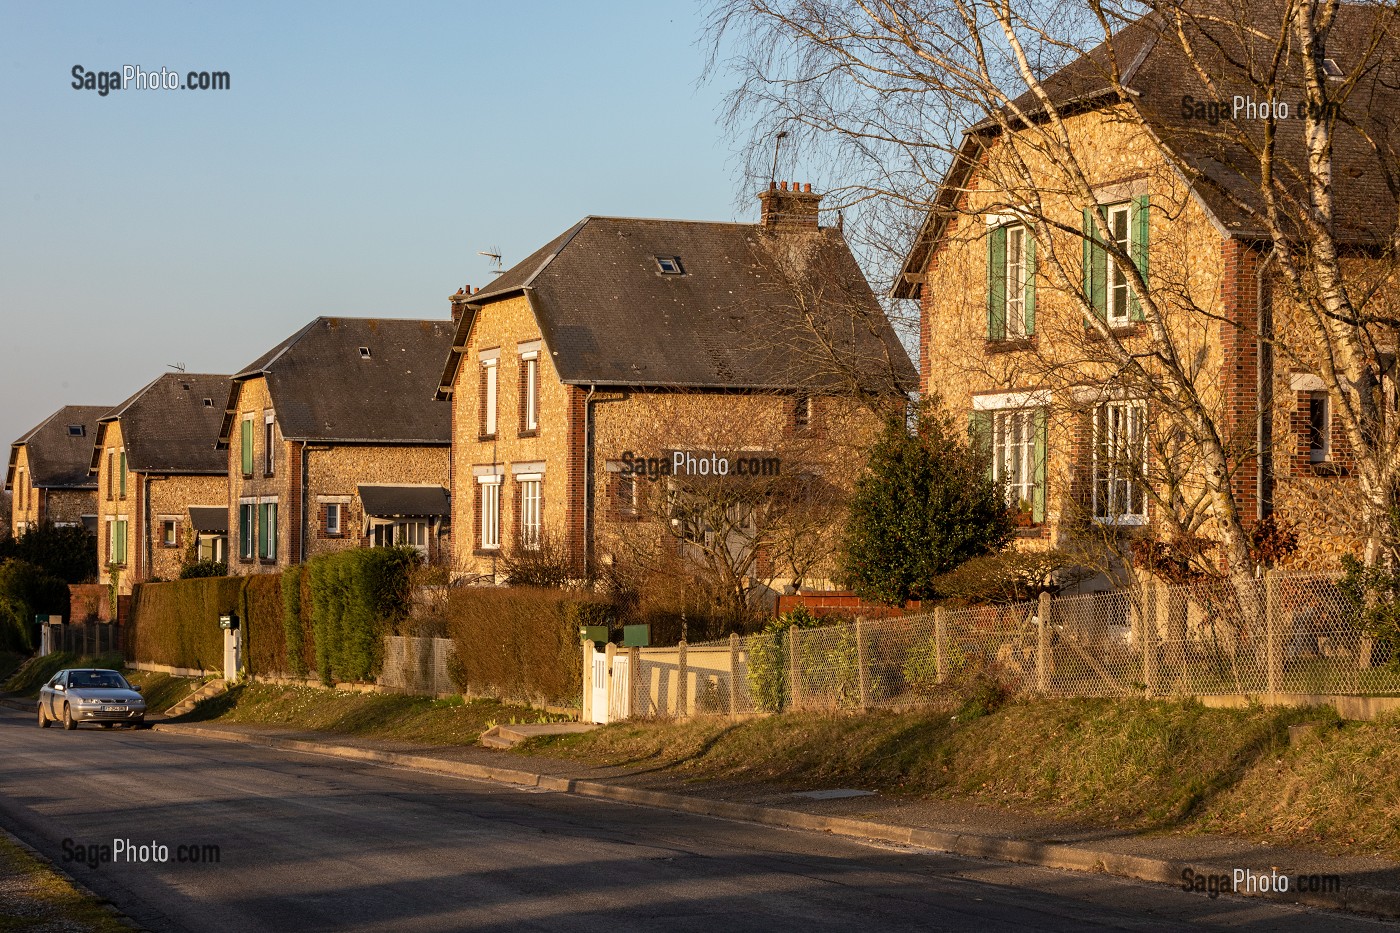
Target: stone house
{"x": 1004, "y": 270}
{"x": 48, "y": 472}
{"x": 332, "y": 439}
{"x": 162, "y": 492}
{"x": 625, "y": 341}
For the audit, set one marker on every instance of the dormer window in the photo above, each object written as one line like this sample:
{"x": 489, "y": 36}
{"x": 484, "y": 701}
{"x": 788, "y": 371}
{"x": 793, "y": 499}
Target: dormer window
{"x": 670, "y": 265}
{"x": 209, "y": 403}
{"x": 77, "y": 430}
{"x": 364, "y": 353}
{"x": 1332, "y": 69}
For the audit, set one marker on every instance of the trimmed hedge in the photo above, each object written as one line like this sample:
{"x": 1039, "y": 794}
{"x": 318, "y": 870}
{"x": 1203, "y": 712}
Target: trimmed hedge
{"x": 178, "y": 623}
{"x": 521, "y": 643}
{"x": 263, "y": 632}
{"x": 357, "y": 597}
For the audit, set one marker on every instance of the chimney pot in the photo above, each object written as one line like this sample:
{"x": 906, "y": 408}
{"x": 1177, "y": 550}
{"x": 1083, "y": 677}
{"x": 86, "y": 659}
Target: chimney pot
{"x": 783, "y": 185}
{"x": 772, "y": 186}
{"x": 807, "y": 188}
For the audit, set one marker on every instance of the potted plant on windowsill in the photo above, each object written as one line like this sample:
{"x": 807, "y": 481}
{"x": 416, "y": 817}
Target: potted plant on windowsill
{"x": 1025, "y": 514}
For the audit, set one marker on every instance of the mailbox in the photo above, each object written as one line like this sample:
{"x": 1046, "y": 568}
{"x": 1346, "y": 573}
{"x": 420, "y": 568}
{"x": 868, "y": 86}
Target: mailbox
{"x": 636, "y": 636}
{"x": 229, "y": 621}
{"x": 598, "y": 634}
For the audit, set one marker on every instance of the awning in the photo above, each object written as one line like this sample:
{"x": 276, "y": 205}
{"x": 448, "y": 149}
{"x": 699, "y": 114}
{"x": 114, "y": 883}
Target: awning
{"x": 209, "y": 520}
{"x": 404, "y": 501}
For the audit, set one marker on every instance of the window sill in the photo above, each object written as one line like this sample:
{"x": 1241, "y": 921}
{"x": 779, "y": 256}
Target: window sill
{"x": 1122, "y": 521}
{"x": 247, "y": 475}
{"x": 1011, "y": 344}
{"x": 1024, "y": 532}
{"x": 532, "y": 432}
{"x": 487, "y": 552}
{"x": 332, "y": 534}
{"x": 482, "y": 438}
{"x": 245, "y": 560}
{"x": 1328, "y": 468}
{"x": 1131, "y": 329}
{"x": 268, "y": 561}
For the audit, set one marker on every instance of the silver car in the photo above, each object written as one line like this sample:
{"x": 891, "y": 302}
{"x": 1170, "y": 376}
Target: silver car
{"x": 90, "y": 695}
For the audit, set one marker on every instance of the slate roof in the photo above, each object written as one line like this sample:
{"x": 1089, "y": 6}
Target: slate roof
{"x": 324, "y": 389}
{"x": 383, "y": 501}
{"x": 610, "y": 316}
{"x": 1224, "y": 175}
{"x": 58, "y": 459}
{"x": 172, "y": 425}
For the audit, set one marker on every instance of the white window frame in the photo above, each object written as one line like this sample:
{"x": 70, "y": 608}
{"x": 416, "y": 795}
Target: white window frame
{"x": 174, "y": 539}
{"x": 1323, "y": 453}
{"x": 267, "y": 543}
{"x": 1013, "y": 453}
{"x": 492, "y": 374}
{"x": 1015, "y": 272}
{"x": 1113, "y": 480}
{"x": 531, "y": 362}
{"x": 248, "y": 543}
{"x": 490, "y": 519}
{"x": 269, "y": 442}
{"x": 531, "y": 500}
{"x": 333, "y": 509}
{"x": 1118, "y": 284}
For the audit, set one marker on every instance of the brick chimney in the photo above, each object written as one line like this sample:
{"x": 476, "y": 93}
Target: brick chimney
{"x": 459, "y": 303}
{"x": 787, "y": 208}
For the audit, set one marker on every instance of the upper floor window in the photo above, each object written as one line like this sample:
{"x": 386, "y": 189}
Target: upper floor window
{"x": 121, "y": 473}
{"x": 246, "y": 444}
{"x": 1319, "y": 427}
{"x": 20, "y": 493}
{"x": 530, "y": 392}
{"x": 1120, "y": 462}
{"x": 802, "y": 412}
{"x": 111, "y": 474}
{"x": 269, "y": 442}
{"x": 1010, "y": 282}
{"x": 1107, "y": 285}
{"x": 488, "y": 397}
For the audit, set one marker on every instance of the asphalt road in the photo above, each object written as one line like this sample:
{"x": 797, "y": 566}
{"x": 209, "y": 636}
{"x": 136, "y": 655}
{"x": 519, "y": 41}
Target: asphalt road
{"x": 313, "y": 843}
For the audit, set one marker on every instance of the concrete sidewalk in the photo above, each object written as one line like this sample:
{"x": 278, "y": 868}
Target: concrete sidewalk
{"x": 1353, "y": 883}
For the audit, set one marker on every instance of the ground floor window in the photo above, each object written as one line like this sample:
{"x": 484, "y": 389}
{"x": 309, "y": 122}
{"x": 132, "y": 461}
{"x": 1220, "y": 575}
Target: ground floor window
{"x": 490, "y": 527}
{"x": 403, "y": 533}
{"x": 1120, "y": 461}
{"x": 247, "y": 529}
{"x": 267, "y": 530}
{"x": 531, "y": 500}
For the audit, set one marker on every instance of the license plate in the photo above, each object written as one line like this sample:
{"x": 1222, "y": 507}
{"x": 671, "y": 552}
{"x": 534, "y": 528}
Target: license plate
{"x": 114, "y": 709}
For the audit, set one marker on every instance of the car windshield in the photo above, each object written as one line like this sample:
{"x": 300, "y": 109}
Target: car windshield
{"x": 82, "y": 680}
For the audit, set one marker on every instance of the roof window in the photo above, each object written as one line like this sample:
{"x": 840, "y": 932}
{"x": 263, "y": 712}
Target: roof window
{"x": 77, "y": 430}
{"x": 209, "y": 403}
{"x": 670, "y": 265}
{"x": 1331, "y": 68}
{"x": 364, "y": 353}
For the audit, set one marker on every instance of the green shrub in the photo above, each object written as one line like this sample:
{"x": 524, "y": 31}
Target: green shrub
{"x": 264, "y": 634}
{"x": 357, "y": 597}
{"x": 68, "y": 552}
{"x": 292, "y": 628}
{"x": 1008, "y": 577}
{"x": 203, "y": 568}
{"x": 769, "y": 658}
{"x": 27, "y": 590}
{"x": 1373, "y": 598}
{"x": 521, "y": 643}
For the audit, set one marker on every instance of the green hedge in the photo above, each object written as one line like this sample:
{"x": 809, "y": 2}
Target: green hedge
{"x": 178, "y": 623}
{"x": 264, "y": 634}
{"x": 521, "y": 643}
{"x": 356, "y": 598}
{"x": 27, "y": 590}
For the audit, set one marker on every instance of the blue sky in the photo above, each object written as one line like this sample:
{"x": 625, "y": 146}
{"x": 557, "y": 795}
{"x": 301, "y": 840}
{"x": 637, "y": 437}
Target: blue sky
{"x": 361, "y": 158}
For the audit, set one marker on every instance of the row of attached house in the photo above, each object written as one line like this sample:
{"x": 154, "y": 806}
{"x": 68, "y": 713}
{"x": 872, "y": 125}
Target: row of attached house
{"x": 508, "y": 428}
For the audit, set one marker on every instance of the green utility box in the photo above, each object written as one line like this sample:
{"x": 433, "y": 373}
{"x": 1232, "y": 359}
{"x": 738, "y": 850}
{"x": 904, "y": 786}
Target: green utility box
{"x": 636, "y": 636}
{"x": 598, "y": 634}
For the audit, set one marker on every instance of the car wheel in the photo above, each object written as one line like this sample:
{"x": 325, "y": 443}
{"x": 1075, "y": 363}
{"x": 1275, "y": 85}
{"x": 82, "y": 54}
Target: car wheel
{"x": 43, "y": 717}
{"x": 68, "y": 722}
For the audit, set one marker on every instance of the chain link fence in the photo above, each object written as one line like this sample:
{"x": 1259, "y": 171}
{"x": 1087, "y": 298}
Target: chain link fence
{"x": 1285, "y": 633}
{"x": 417, "y": 666}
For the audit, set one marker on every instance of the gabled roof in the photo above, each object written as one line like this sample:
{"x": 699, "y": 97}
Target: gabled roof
{"x": 58, "y": 456}
{"x": 729, "y": 320}
{"x": 171, "y": 425}
{"x": 1223, "y": 174}
{"x": 354, "y": 380}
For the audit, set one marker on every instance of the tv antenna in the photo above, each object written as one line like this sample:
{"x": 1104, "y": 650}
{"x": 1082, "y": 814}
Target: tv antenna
{"x": 494, "y": 254}
{"x": 178, "y": 367}
{"x": 777, "y": 143}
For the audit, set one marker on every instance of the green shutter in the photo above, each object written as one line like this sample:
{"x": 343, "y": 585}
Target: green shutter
{"x": 1139, "y": 246}
{"x": 245, "y": 530}
{"x": 979, "y": 431}
{"x": 119, "y": 551}
{"x": 1030, "y": 283}
{"x": 247, "y": 437}
{"x": 1038, "y": 504}
{"x": 121, "y": 474}
{"x": 996, "y": 284}
{"x": 1095, "y": 266}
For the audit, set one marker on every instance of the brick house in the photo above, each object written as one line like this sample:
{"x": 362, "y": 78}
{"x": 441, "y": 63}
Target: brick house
{"x": 332, "y": 440}
{"x": 48, "y": 472}
{"x": 628, "y": 338}
{"x": 160, "y": 479}
{"x": 1003, "y": 338}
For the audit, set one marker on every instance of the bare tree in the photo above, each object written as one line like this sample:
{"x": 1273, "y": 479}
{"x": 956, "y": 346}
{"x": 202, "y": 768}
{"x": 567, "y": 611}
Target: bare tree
{"x": 948, "y": 112}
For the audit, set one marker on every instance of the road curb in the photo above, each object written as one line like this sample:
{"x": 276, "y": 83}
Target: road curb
{"x": 103, "y": 903}
{"x": 1361, "y": 899}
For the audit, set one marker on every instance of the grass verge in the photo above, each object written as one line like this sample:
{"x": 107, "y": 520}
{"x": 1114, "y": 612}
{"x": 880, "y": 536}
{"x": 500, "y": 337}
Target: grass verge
{"x": 36, "y": 899}
{"x": 376, "y": 715}
{"x": 1143, "y": 765}
{"x": 161, "y": 691}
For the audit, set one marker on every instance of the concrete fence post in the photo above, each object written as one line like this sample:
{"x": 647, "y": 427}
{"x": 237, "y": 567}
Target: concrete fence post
{"x": 940, "y": 643}
{"x": 1273, "y": 654}
{"x": 1042, "y": 645}
{"x": 862, "y": 665}
{"x": 794, "y": 670}
{"x": 683, "y": 682}
{"x": 733, "y": 675}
